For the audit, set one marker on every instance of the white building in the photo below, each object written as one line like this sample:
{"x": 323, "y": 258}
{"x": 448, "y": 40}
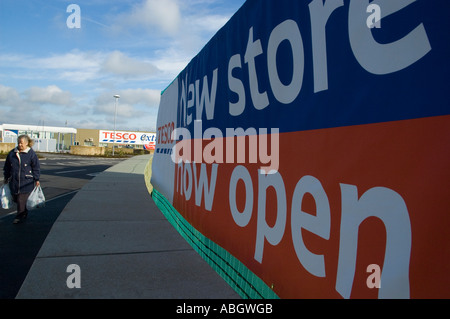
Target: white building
{"x": 46, "y": 138}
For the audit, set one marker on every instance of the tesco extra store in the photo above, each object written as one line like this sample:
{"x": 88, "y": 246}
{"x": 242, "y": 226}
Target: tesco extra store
{"x": 106, "y": 138}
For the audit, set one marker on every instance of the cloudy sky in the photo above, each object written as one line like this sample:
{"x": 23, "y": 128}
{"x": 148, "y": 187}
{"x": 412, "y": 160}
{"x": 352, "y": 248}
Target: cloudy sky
{"x": 54, "y": 72}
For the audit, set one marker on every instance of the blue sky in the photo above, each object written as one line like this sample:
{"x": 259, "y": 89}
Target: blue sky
{"x": 51, "y": 74}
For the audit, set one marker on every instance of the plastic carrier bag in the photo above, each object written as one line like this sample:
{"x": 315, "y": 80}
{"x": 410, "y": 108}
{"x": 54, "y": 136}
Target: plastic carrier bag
{"x": 6, "y": 197}
{"x": 36, "y": 199}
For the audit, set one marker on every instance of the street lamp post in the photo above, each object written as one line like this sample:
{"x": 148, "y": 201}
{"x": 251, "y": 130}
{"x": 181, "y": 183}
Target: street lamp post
{"x": 117, "y": 97}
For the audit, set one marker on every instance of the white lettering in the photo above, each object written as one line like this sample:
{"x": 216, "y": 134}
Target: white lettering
{"x": 206, "y": 100}
{"x": 374, "y": 19}
{"x": 213, "y": 151}
{"x": 320, "y": 13}
{"x": 74, "y": 19}
{"x": 236, "y": 86}
{"x": 374, "y": 280}
{"x": 319, "y": 224}
{"x": 190, "y": 103}
{"x": 187, "y": 180}
{"x": 254, "y": 48}
{"x": 274, "y": 157}
{"x": 374, "y": 57}
{"x": 241, "y": 153}
{"x": 263, "y": 230}
{"x": 388, "y": 206}
{"x": 193, "y": 309}
{"x": 74, "y": 280}
{"x": 377, "y": 58}
{"x": 245, "y": 308}
{"x": 241, "y": 218}
{"x": 182, "y": 114}
{"x": 287, "y": 30}
{"x": 201, "y": 185}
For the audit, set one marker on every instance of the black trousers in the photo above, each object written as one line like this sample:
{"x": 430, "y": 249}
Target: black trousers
{"x": 21, "y": 201}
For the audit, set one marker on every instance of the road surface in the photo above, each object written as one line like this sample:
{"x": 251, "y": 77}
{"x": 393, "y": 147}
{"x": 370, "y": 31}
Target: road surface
{"x": 61, "y": 177}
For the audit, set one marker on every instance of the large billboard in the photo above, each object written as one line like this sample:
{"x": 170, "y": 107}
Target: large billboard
{"x": 148, "y": 140}
{"x": 311, "y": 141}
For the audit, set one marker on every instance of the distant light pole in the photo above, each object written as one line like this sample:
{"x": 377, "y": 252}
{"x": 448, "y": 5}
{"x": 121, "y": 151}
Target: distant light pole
{"x": 117, "y": 97}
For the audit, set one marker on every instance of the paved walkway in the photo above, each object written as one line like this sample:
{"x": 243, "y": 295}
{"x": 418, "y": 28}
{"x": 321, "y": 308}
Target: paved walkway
{"x": 123, "y": 245}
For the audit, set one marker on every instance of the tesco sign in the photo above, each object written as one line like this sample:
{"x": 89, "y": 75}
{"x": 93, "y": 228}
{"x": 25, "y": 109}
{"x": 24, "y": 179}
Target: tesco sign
{"x": 132, "y": 138}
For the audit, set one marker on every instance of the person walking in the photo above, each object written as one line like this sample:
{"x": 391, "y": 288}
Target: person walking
{"x": 22, "y": 171}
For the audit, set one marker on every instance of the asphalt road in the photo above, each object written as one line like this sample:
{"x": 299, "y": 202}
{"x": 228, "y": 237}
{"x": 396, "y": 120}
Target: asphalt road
{"x": 61, "y": 177}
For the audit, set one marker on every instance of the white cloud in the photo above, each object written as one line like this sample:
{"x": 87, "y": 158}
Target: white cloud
{"x": 8, "y": 95}
{"x": 162, "y": 14}
{"x": 33, "y": 104}
{"x": 133, "y": 103}
{"x": 177, "y": 26}
{"x": 73, "y": 60}
{"x": 210, "y": 23}
{"x": 124, "y": 110}
{"x": 79, "y": 66}
{"x": 120, "y": 64}
{"x": 48, "y": 95}
{"x": 51, "y": 94}
{"x": 146, "y": 97}
{"x": 76, "y": 66}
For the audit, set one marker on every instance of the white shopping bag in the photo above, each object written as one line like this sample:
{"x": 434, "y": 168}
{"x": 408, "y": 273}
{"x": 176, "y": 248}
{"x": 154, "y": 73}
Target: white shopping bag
{"x": 6, "y": 197}
{"x": 36, "y": 199}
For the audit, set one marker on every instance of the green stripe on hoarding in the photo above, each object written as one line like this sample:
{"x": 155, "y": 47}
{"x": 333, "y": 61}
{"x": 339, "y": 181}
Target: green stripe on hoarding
{"x": 236, "y": 274}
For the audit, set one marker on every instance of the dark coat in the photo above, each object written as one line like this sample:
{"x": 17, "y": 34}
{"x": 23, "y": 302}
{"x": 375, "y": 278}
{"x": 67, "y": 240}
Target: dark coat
{"x": 21, "y": 174}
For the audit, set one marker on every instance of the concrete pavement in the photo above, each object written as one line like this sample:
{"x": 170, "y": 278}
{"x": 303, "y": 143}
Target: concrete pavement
{"x": 124, "y": 247}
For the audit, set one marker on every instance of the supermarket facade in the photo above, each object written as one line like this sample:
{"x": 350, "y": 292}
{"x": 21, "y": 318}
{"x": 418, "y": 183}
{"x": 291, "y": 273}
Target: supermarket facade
{"x": 60, "y": 139}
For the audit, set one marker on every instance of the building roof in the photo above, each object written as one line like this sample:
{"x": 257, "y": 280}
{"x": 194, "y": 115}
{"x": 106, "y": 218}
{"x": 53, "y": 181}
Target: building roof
{"x": 38, "y": 128}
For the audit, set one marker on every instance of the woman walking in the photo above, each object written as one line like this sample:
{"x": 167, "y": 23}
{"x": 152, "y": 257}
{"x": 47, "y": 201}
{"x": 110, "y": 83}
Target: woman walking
{"x": 22, "y": 172}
